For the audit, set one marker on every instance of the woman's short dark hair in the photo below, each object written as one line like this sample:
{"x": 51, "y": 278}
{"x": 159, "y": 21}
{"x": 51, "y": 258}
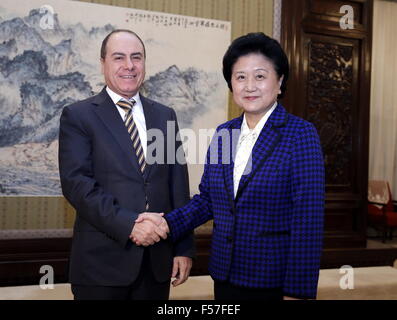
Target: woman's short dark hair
{"x": 256, "y": 43}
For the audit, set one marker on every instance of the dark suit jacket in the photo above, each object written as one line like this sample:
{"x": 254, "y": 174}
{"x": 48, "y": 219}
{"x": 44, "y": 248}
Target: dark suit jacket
{"x": 100, "y": 177}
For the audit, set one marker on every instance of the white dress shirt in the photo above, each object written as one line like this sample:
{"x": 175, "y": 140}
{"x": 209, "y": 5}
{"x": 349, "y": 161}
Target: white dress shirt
{"x": 137, "y": 115}
{"x": 245, "y": 145}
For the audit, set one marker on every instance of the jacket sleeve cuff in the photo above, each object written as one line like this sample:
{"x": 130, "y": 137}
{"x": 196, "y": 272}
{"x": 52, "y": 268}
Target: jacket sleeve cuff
{"x": 185, "y": 247}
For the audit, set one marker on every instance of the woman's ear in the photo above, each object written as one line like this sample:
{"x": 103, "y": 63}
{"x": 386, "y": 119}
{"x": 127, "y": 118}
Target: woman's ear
{"x": 280, "y": 81}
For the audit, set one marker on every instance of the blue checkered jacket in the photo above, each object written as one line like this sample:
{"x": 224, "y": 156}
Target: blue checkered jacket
{"x": 270, "y": 234}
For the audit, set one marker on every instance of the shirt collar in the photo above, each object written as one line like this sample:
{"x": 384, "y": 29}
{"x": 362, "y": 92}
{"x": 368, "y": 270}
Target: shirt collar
{"x": 245, "y": 130}
{"x": 116, "y": 97}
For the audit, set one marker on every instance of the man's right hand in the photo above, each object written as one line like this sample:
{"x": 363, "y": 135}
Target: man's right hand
{"x": 149, "y": 228}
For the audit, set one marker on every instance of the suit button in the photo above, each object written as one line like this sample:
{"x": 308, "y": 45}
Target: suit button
{"x": 229, "y": 238}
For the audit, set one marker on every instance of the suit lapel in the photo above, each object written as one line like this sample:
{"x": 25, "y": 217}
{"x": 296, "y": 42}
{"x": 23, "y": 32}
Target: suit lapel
{"x": 108, "y": 113}
{"x": 230, "y": 149}
{"x": 264, "y": 146}
{"x": 151, "y": 121}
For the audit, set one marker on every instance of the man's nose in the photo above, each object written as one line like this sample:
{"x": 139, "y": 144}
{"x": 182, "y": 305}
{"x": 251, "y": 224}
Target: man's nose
{"x": 129, "y": 64}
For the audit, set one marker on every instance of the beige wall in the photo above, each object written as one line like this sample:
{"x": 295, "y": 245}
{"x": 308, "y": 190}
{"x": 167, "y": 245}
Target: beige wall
{"x": 383, "y": 111}
{"x": 245, "y": 15}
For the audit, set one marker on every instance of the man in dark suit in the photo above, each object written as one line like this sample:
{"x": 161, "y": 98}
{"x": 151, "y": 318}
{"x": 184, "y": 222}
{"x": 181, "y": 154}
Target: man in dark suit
{"x": 107, "y": 177}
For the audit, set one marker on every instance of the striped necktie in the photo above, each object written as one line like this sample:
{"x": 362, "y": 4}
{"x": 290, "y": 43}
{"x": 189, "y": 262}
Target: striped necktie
{"x": 133, "y": 131}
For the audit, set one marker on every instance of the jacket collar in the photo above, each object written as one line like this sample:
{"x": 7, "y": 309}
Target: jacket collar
{"x": 277, "y": 119}
{"x": 263, "y": 148}
{"x": 108, "y": 113}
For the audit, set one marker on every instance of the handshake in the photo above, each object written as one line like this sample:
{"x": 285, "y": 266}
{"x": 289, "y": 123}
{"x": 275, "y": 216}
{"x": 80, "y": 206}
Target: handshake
{"x": 149, "y": 228}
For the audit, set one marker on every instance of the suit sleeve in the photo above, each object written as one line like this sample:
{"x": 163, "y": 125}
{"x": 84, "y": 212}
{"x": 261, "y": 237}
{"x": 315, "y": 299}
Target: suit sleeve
{"x": 307, "y": 181}
{"x": 198, "y": 211}
{"x": 92, "y": 203}
{"x": 180, "y": 194}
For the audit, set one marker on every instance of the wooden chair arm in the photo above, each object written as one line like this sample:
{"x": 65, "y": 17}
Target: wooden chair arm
{"x": 378, "y": 204}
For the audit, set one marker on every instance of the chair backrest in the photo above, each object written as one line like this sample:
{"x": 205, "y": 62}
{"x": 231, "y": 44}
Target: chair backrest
{"x": 379, "y": 192}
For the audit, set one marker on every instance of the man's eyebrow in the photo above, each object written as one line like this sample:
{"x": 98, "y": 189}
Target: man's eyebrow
{"x": 123, "y": 54}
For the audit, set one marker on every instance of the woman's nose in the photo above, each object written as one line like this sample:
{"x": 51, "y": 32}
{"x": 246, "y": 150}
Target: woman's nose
{"x": 250, "y": 84}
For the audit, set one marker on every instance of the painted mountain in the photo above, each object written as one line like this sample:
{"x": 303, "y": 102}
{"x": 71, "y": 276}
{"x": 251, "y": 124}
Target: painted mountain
{"x": 41, "y": 71}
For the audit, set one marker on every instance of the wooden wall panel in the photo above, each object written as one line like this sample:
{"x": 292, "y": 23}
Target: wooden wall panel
{"x": 329, "y": 86}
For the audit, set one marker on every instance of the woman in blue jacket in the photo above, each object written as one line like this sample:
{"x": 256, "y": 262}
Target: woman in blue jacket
{"x": 263, "y": 185}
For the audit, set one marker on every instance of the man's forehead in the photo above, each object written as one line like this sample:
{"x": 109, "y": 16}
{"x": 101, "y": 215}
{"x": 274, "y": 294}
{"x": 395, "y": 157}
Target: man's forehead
{"x": 124, "y": 39}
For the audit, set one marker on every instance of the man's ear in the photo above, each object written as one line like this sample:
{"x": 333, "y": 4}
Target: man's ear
{"x": 102, "y": 65}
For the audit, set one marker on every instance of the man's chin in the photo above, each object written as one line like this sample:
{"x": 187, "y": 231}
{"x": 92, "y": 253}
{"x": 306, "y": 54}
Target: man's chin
{"x": 128, "y": 93}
